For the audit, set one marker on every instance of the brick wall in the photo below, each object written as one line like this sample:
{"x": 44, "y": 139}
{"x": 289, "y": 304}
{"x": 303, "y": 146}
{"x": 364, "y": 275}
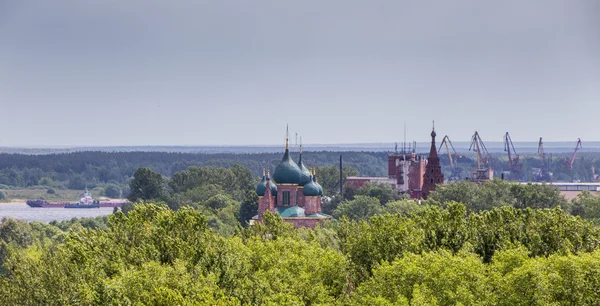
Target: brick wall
{"x": 281, "y": 189}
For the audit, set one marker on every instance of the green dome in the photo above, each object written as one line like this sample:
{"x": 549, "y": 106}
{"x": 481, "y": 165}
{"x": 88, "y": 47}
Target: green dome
{"x": 304, "y": 173}
{"x": 318, "y": 185}
{"x": 287, "y": 172}
{"x": 262, "y": 187}
{"x": 311, "y": 189}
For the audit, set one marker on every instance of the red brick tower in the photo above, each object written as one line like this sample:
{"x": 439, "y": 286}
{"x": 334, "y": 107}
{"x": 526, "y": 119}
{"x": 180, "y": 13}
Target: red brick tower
{"x": 268, "y": 196}
{"x": 433, "y": 172}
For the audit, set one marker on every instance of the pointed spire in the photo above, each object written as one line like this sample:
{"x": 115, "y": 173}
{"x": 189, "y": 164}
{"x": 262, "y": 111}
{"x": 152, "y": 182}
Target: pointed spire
{"x": 287, "y": 137}
{"x": 300, "y": 157}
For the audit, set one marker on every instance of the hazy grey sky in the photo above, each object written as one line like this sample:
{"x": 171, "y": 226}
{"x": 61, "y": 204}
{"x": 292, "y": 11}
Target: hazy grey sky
{"x": 142, "y": 72}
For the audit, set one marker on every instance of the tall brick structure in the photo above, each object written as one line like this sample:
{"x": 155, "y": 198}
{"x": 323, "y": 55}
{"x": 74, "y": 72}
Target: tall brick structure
{"x": 294, "y": 193}
{"x": 433, "y": 172}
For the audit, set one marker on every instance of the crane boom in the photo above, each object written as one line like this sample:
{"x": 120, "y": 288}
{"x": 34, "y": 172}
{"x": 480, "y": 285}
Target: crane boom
{"x": 578, "y": 146}
{"x": 541, "y": 149}
{"x": 445, "y": 143}
{"x": 513, "y": 161}
{"x": 483, "y": 156}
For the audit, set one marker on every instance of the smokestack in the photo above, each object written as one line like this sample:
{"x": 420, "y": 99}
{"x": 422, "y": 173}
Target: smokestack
{"x": 341, "y": 181}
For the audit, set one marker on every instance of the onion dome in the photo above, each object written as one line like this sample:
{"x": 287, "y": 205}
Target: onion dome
{"x": 273, "y": 187}
{"x": 318, "y": 185}
{"x": 311, "y": 189}
{"x": 261, "y": 188}
{"x": 287, "y": 172}
{"x": 304, "y": 173}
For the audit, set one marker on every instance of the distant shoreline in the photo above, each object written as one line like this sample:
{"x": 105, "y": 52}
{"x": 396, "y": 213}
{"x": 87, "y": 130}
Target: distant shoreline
{"x": 422, "y": 147}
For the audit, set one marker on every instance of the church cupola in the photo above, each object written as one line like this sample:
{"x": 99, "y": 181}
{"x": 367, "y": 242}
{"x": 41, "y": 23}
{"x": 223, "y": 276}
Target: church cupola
{"x": 304, "y": 173}
{"x": 287, "y": 172}
{"x": 261, "y": 187}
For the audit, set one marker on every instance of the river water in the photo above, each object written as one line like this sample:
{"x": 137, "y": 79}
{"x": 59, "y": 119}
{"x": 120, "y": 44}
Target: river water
{"x": 24, "y": 212}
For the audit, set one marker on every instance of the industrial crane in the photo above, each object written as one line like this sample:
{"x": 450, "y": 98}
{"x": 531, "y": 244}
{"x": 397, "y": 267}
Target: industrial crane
{"x": 477, "y": 145}
{"x": 544, "y": 173}
{"x": 578, "y": 146}
{"x": 445, "y": 142}
{"x": 513, "y": 161}
{"x": 541, "y": 149}
{"x": 483, "y": 172}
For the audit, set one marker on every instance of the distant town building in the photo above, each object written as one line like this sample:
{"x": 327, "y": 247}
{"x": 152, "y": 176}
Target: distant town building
{"x": 433, "y": 170}
{"x": 408, "y": 172}
{"x": 293, "y": 193}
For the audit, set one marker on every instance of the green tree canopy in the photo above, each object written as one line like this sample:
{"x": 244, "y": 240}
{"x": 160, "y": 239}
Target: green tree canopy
{"x": 362, "y": 207}
{"x": 146, "y": 185}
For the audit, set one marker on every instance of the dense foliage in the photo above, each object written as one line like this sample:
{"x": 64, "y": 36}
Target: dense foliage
{"x": 498, "y": 193}
{"x": 446, "y": 256}
{"x": 186, "y": 241}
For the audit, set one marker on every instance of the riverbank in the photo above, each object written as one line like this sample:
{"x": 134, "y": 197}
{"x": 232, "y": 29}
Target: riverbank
{"x": 22, "y": 211}
{"x": 55, "y": 195}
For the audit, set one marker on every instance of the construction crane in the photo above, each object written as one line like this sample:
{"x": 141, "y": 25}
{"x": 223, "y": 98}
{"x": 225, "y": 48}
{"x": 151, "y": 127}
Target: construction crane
{"x": 477, "y": 145}
{"x": 513, "y": 160}
{"x": 445, "y": 142}
{"x": 578, "y": 146}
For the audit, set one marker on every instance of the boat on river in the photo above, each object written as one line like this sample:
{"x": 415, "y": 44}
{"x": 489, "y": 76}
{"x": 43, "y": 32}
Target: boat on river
{"x": 86, "y": 201}
{"x": 44, "y": 204}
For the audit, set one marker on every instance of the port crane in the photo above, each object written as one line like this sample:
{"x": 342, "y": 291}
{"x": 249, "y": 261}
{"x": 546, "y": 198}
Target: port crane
{"x": 544, "y": 174}
{"x": 513, "y": 160}
{"x": 541, "y": 149}
{"x": 453, "y": 156}
{"x": 483, "y": 171}
{"x": 448, "y": 144}
{"x": 477, "y": 145}
{"x": 578, "y": 147}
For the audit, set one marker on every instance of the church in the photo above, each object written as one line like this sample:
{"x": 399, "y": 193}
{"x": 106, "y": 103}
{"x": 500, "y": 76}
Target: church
{"x": 293, "y": 193}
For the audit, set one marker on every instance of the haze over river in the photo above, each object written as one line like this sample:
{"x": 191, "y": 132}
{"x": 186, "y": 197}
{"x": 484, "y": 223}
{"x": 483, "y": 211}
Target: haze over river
{"x": 24, "y": 212}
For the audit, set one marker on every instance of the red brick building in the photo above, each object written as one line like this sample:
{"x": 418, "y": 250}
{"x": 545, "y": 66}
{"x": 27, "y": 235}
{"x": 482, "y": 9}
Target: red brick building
{"x": 407, "y": 173}
{"x": 433, "y": 171}
{"x": 293, "y": 193}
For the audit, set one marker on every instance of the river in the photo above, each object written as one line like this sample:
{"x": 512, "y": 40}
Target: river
{"x": 24, "y": 212}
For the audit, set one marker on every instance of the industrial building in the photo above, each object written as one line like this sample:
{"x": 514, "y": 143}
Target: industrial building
{"x": 408, "y": 172}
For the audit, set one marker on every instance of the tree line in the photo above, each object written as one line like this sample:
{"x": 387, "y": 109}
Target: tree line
{"x": 91, "y": 169}
{"x": 80, "y": 170}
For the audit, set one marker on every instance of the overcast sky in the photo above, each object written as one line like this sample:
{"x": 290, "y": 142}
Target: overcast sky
{"x": 142, "y": 72}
